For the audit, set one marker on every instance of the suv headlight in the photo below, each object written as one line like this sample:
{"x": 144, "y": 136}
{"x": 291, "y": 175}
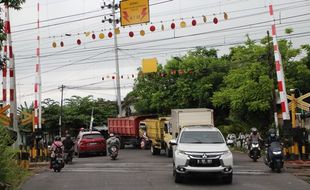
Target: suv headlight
{"x": 226, "y": 153}
{"x": 181, "y": 152}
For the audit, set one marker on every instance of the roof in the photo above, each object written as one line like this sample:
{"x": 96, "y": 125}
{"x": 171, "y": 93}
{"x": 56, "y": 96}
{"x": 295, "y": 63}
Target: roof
{"x": 200, "y": 128}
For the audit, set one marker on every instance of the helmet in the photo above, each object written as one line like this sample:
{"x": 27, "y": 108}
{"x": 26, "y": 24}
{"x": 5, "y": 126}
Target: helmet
{"x": 111, "y": 135}
{"x": 254, "y": 131}
{"x": 57, "y": 138}
{"x": 272, "y": 132}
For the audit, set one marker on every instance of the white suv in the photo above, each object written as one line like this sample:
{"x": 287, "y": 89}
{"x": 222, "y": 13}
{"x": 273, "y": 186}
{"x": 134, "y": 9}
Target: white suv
{"x": 201, "y": 149}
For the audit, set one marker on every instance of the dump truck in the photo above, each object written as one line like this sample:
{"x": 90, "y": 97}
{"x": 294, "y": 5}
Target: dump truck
{"x": 127, "y": 129}
{"x": 190, "y": 117}
{"x": 158, "y": 134}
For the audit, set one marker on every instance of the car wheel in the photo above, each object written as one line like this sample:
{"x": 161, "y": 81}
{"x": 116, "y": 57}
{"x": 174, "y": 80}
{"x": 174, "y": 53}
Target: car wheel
{"x": 228, "y": 179}
{"x": 178, "y": 178}
{"x": 104, "y": 153}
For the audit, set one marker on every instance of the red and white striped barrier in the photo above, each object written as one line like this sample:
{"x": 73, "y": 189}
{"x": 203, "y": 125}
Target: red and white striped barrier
{"x": 279, "y": 69}
{"x": 4, "y": 70}
{"x": 13, "y": 109}
{"x": 37, "y": 84}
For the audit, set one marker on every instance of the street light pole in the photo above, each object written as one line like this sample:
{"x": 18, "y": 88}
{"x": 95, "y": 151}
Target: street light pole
{"x": 117, "y": 78}
{"x": 116, "y": 63}
{"x": 61, "y": 105}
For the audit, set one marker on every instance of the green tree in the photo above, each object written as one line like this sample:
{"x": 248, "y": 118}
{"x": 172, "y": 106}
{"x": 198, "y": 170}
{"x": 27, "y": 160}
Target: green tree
{"x": 10, "y": 172}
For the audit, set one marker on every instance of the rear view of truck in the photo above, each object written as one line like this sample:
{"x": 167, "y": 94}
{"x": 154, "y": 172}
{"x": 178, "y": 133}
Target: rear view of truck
{"x": 126, "y": 129}
{"x": 189, "y": 117}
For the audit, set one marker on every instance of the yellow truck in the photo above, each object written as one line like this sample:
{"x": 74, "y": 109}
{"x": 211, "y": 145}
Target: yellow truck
{"x": 157, "y": 134}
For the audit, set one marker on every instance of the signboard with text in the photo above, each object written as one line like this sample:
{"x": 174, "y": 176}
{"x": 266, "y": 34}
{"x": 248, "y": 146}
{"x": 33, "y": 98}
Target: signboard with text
{"x": 134, "y": 12}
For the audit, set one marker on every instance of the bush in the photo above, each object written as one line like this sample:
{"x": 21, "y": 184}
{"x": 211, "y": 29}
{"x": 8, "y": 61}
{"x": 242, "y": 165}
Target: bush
{"x": 10, "y": 172}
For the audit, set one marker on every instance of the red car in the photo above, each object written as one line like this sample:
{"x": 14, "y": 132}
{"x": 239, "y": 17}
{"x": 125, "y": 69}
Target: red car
{"x": 90, "y": 142}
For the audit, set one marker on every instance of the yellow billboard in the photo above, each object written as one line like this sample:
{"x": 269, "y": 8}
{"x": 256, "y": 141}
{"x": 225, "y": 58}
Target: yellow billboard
{"x": 149, "y": 65}
{"x": 134, "y": 12}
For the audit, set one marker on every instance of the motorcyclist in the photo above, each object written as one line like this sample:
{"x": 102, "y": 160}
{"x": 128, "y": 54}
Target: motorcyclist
{"x": 113, "y": 140}
{"x": 254, "y": 136}
{"x": 68, "y": 145}
{"x": 56, "y": 148}
{"x": 272, "y": 137}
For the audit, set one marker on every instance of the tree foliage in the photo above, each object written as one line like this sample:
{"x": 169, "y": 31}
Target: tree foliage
{"x": 239, "y": 85}
{"x": 76, "y": 113}
{"x": 10, "y": 172}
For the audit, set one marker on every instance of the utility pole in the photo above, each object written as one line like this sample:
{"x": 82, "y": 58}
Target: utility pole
{"x": 115, "y": 21}
{"x": 61, "y": 105}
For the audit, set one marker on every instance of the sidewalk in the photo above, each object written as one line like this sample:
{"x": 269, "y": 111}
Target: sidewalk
{"x": 38, "y": 166}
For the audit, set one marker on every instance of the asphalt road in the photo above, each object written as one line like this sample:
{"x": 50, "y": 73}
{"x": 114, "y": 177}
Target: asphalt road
{"x": 138, "y": 169}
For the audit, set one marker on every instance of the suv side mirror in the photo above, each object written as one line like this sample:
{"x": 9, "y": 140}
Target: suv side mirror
{"x": 173, "y": 142}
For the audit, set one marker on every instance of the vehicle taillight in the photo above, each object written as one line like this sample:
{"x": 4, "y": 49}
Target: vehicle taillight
{"x": 83, "y": 142}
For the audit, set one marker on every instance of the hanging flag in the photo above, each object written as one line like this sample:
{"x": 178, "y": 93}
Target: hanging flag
{"x": 101, "y": 36}
{"x": 152, "y": 28}
{"x": 215, "y": 20}
{"x": 172, "y": 26}
{"x": 225, "y": 16}
{"x": 131, "y": 34}
{"x": 110, "y": 34}
{"x": 194, "y": 22}
{"x": 183, "y": 24}
{"x": 204, "y": 18}
{"x": 142, "y": 32}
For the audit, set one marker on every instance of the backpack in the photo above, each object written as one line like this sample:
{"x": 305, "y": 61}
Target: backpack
{"x": 58, "y": 149}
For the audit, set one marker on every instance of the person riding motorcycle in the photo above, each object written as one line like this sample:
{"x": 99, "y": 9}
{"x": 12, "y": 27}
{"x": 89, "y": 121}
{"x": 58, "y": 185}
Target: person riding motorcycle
{"x": 68, "y": 145}
{"x": 113, "y": 140}
{"x": 272, "y": 137}
{"x": 56, "y": 148}
{"x": 254, "y": 136}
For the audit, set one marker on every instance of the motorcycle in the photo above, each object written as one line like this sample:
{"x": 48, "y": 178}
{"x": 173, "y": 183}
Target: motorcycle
{"x": 274, "y": 159}
{"x": 254, "y": 152}
{"x": 57, "y": 163}
{"x": 113, "y": 152}
{"x": 68, "y": 156}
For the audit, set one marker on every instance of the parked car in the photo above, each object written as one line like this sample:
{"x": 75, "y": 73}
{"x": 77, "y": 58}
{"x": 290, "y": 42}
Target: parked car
{"x": 90, "y": 142}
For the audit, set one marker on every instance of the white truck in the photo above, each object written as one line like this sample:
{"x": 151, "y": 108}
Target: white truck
{"x": 199, "y": 147}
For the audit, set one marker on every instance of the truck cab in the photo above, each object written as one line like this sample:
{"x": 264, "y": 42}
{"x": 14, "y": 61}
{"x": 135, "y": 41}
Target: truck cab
{"x": 201, "y": 149}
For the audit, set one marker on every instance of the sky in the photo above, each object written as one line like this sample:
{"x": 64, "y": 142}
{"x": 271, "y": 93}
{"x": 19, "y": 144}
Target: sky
{"x": 81, "y": 67}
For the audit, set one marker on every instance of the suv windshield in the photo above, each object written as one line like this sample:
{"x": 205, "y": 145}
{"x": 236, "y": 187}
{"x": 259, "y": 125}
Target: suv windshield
{"x": 92, "y": 136}
{"x": 208, "y": 137}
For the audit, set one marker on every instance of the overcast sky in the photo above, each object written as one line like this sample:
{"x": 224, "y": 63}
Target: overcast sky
{"x": 81, "y": 67}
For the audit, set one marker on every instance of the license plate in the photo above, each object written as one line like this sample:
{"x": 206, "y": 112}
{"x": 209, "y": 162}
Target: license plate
{"x": 92, "y": 143}
{"x": 204, "y": 162}
{"x": 59, "y": 159}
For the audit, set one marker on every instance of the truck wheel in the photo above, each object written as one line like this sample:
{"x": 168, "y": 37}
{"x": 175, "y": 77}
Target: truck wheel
{"x": 152, "y": 150}
{"x": 168, "y": 152}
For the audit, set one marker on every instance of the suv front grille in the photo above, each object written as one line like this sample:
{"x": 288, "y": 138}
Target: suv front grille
{"x": 204, "y": 162}
{"x": 204, "y": 159}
